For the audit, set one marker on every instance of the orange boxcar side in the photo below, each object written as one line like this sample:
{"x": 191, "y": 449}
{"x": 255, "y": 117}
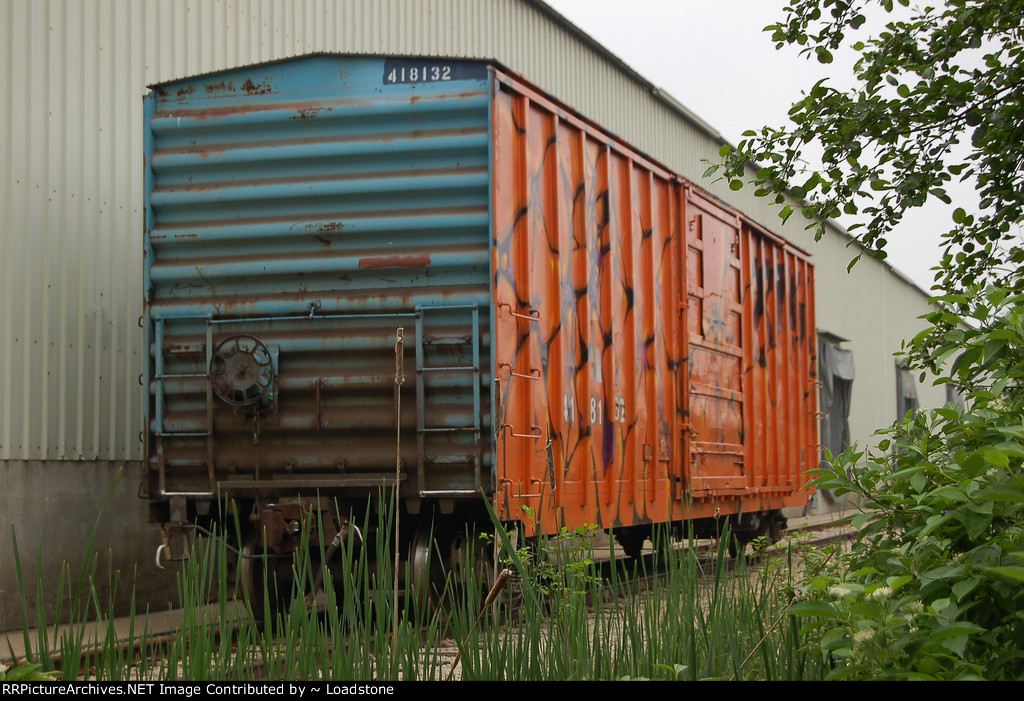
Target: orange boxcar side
{"x": 654, "y": 349}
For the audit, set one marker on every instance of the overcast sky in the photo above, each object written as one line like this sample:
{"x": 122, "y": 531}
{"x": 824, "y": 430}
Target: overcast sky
{"x": 713, "y": 56}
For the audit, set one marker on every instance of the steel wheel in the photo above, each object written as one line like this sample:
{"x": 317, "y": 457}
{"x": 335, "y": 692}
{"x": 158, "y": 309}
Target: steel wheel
{"x": 631, "y": 540}
{"x": 265, "y": 579}
{"x": 449, "y": 563}
{"x": 426, "y": 573}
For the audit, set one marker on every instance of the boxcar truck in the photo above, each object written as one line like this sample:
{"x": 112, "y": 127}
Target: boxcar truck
{"x": 425, "y": 275}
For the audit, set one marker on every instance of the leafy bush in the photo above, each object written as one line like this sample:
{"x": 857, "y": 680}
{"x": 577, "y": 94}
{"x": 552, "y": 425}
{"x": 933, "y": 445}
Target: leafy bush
{"x": 932, "y": 588}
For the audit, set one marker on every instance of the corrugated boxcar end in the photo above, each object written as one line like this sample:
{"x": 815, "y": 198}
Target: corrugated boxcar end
{"x": 627, "y": 342}
{"x": 297, "y": 215}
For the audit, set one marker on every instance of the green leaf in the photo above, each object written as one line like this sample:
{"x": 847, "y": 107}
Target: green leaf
{"x": 1015, "y": 573}
{"x": 942, "y": 572}
{"x": 859, "y": 520}
{"x": 899, "y": 582}
{"x": 813, "y": 609}
{"x": 964, "y": 587}
{"x": 952, "y": 630}
{"x": 725, "y": 150}
{"x": 953, "y": 494}
{"x": 953, "y": 643}
{"x": 834, "y": 638}
{"x": 1001, "y": 492}
{"x": 979, "y": 135}
{"x": 735, "y": 184}
{"x": 994, "y": 456}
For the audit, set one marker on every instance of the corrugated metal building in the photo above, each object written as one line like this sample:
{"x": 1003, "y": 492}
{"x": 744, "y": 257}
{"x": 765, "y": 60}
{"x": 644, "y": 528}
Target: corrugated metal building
{"x": 71, "y": 211}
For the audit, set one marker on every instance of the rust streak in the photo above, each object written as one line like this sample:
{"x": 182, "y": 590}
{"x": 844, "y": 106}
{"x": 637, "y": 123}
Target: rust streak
{"x": 309, "y": 112}
{"x": 213, "y": 288}
{"x": 256, "y": 89}
{"x": 222, "y": 86}
{"x": 333, "y": 227}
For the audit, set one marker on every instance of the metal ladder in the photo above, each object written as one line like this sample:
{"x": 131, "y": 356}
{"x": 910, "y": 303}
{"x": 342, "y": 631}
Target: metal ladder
{"x": 422, "y": 429}
{"x": 159, "y": 376}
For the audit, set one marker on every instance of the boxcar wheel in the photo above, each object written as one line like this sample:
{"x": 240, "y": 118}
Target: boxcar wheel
{"x": 738, "y": 544}
{"x": 777, "y": 528}
{"x": 449, "y": 564}
{"x": 631, "y": 539}
{"x": 265, "y": 579}
{"x": 426, "y": 570}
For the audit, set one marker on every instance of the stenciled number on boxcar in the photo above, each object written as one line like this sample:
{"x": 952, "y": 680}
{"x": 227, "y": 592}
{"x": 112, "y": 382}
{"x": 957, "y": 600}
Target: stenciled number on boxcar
{"x": 596, "y": 409}
{"x": 408, "y": 71}
{"x": 418, "y": 74}
{"x": 620, "y": 409}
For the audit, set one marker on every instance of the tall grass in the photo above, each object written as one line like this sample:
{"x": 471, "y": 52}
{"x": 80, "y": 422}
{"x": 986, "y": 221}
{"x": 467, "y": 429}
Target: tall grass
{"x": 700, "y": 620}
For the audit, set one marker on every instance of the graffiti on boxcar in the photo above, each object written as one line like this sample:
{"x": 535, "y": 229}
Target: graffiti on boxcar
{"x": 632, "y": 381}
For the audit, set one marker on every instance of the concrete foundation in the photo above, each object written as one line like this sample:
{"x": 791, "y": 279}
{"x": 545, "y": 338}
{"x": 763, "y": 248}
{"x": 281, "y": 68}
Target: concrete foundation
{"x": 52, "y": 508}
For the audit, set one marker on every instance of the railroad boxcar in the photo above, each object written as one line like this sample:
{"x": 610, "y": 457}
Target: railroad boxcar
{"x": 584, "y": 336}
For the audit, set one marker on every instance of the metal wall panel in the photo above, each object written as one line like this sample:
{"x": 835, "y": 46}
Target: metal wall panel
{"x": 71, "y": 179}
{"x": 71, "y": 286}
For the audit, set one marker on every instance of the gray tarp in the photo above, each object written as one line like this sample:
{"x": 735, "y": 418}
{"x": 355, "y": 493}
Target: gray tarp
{"x": 906, "y": 392}
{"x": 835, "y": 369}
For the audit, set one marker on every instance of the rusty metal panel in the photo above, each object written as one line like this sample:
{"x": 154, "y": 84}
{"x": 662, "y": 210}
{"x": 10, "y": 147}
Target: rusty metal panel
{"x": 298, "y": 214}
{"x": 653, "y": 349}
{"x": 752, "y": 355}
{"x": 716, "y": 400}
{"x": 780, "y": 365}
{"x": 586, "y": 268}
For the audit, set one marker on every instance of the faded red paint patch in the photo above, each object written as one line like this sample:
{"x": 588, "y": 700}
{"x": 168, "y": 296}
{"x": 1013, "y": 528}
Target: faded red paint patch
{"x": 418, "y": 261}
